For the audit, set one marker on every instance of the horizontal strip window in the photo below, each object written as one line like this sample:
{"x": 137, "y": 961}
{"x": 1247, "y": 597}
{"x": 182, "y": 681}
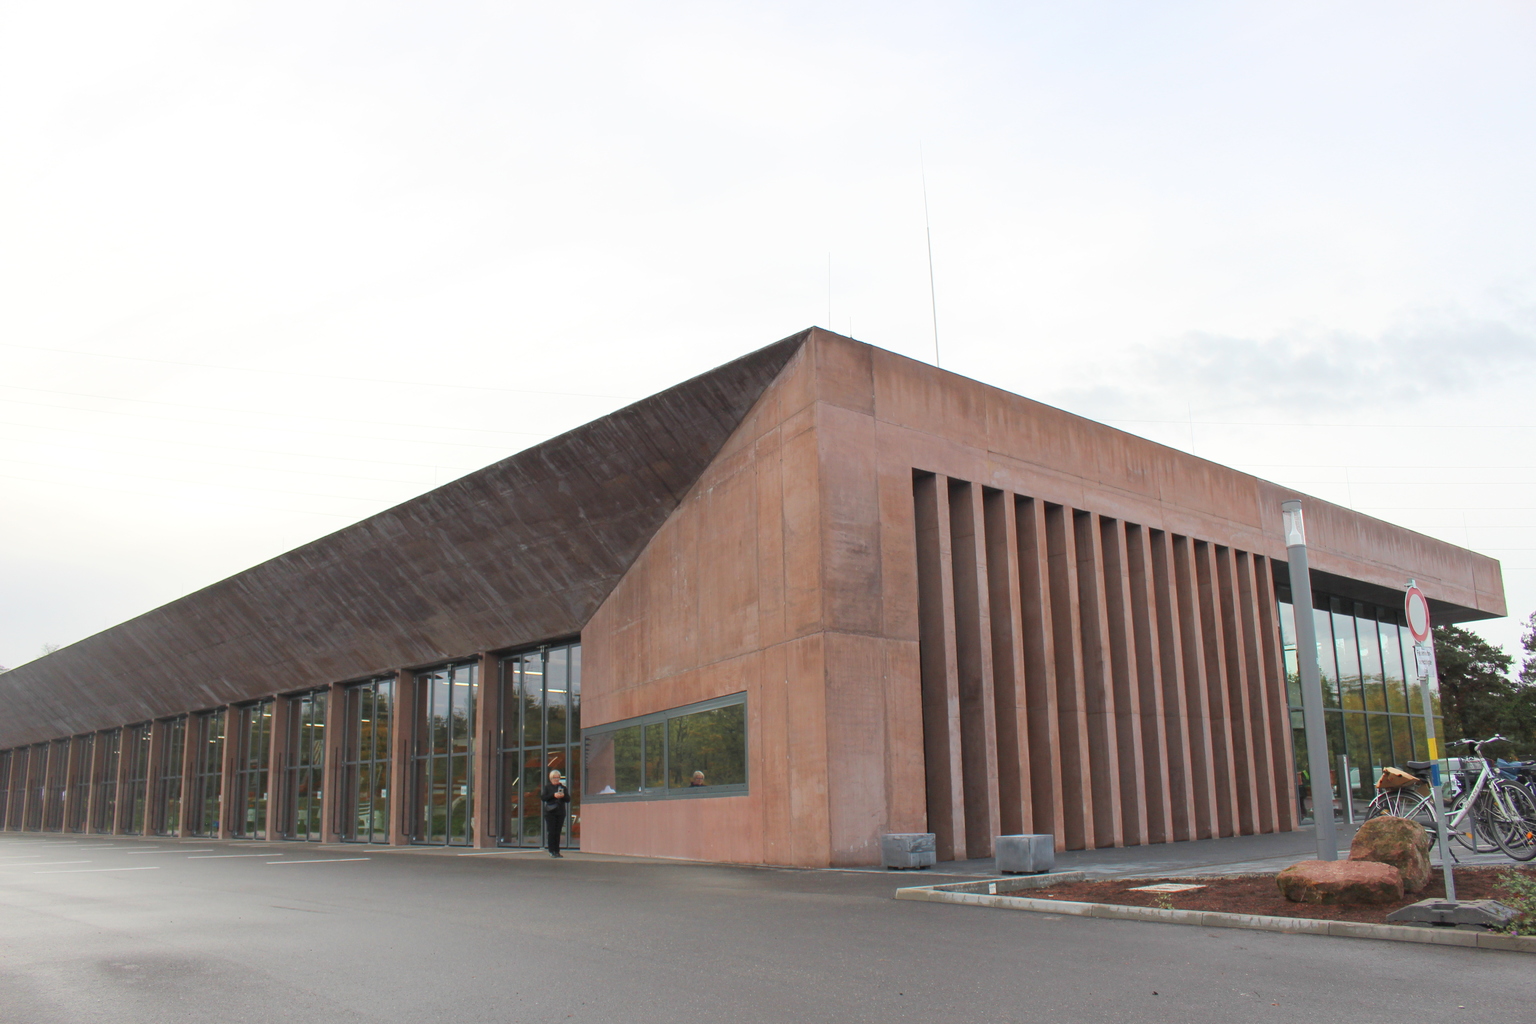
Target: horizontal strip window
{"x": 697, "y": 750}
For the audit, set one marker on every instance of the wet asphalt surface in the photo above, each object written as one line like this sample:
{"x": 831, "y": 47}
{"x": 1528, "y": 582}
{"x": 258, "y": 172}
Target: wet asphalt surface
{"x": 102, "y": 930}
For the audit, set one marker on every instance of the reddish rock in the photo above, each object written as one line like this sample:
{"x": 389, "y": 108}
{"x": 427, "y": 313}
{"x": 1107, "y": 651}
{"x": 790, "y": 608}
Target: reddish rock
{"x": 1340, "y": 881}
{"x": 1396, "y": 841}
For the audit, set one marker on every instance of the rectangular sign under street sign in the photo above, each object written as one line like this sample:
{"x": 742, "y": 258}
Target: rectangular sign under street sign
{"x": 1425, "y": 656}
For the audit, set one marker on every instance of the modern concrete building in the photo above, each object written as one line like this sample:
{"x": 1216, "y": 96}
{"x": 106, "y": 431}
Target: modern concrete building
{"x": 817, "y": 594}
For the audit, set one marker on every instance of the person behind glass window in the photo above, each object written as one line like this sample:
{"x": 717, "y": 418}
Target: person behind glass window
{"x": 555, "y": 797}
{"x": 697, "y": 780}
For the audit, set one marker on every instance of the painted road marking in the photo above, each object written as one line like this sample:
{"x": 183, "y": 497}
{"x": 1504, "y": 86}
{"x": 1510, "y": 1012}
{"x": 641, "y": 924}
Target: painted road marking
{"x": 322, "y": 860}
{"x": 141, "y": 853}
{"x": 86, "y": 871}
{"x": 225, "y": 856}
{"x": 40, "y": 863}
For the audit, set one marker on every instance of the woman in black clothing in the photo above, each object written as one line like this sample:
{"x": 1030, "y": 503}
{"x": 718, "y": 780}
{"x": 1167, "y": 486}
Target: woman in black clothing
{"x": 555, "y": 797}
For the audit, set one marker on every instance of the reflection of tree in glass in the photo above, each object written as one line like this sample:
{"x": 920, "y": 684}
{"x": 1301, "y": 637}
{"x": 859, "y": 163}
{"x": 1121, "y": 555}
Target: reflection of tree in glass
{"x": 713, "y": 742}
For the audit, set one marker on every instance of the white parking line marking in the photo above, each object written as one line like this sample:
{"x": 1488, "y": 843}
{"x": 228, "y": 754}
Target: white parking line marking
{"x": 140, "y": 853}
{"x": 86, "y": 871}
{"x": 40, "y": 863}
{"x": 322, "y": 860}
{"x": 225, "y": 856}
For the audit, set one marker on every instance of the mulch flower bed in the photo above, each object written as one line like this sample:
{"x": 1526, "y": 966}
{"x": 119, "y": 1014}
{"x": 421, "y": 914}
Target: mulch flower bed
{"x": 1257, "y": 894}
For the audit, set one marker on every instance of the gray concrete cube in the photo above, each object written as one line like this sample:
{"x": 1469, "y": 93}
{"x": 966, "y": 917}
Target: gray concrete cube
{"x": 901, "y": 850}
{"x": 1025, "y": 855}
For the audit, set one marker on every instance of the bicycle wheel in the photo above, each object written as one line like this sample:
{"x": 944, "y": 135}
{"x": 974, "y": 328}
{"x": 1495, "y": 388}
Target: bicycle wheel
{"x": 1399, "y": 803}
{"x": 1473, "y": 831}
{"x": 1513, "y": 818}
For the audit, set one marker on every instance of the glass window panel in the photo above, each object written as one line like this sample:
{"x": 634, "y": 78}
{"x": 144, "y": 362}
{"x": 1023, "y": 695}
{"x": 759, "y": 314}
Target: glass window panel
{"x": 1347, "y": 658}
{"x": 707, "y": 748}
{"x": 1370, "y": 658}
{"x": 1392, "y": 666}
{"x": 655, "y": 740}
{"x": 1288, "y": 646}
{"x": 556, "y": 694}
{"x": 575, "y": 686}
{"x": 533, "y": 701}
{"x": 1326, "y": 666}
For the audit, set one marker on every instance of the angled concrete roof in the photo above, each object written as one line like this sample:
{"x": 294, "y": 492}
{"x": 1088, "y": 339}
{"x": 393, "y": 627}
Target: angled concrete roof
{"x": 520, "y": 551}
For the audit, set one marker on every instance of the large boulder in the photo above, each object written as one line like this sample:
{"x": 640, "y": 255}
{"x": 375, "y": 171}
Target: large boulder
{"x": 1340, "y": 881}
{"x": 1396, "y": 841}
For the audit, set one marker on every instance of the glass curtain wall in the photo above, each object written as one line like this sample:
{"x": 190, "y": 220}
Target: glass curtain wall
{"x": 135, "y": 794}
{"x": 37, "y": 785}
{"x": 306, "y": 766}
{"x": 81, "y": 751}
{"x": 207, "y": 772}
{"x": 104, "y": 784}
{"x": 53, "y": 792}
{"x": 5, "y": 788}
{"x": 1372, "y": 699}
{"x": 444, "y": 788}
{"x": 252, "y": 735}
{"x": 540, "y": 729}
{"x": 366, "y": 731}
{"x": 167, "y": 808}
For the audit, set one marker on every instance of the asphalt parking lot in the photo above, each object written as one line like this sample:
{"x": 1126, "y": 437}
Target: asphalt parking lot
{"x": 102, "y": 930}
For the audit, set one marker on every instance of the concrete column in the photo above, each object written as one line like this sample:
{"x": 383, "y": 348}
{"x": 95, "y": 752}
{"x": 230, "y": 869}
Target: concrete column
{"x": 1156, "y": 770}
{"x": 1123, "y": 662}
{"x": 1276, "y": 699}
{"x": 1255, "y": 706}
{"x": 973, "y": 662}
{"x": 1013, "y": 776}
{"x": 1098, "y": 686}
{"x": 152, "y": 773}
{"x": 1039, "y": 643}
{"x": 192, "y": 738}
{"x": 402, "y": 741}
{"x": 1197, "y": 706}
{"x": 1170, "y": 647}
{"x": 72, "y": 757}
{"x": 1235, "y": 656}
{"x": 95, "y": 773}
{"x": 940, "y": 675}
{"x": 233, "y": 727}
{"x": 331, "y": 802}
{"x": 277, "y": 770}
{"x": 1071, "y": 697}
{"x": 9, "y": 761}
{"x": 122, "y": 816}
{"x": 1216, "y": 688}
{"x": 485, "y": 793}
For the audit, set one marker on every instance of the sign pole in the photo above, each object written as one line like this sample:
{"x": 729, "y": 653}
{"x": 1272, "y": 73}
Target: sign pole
{"x": 1311, "y": 681}
{"x": 1417, "y": 608}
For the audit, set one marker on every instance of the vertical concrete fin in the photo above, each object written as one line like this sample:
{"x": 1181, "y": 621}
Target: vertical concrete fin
{"x": 1071, "y": 702}
{"x": 1157, "y": 776}
{"x": 1256, "y": 707}
{"x": 1239, "y": 720}
{"x": 941, "y": 698}
{"x": 1013, "y": 776}
{"x": 1098, "y": 686}
{"x": 1039, "y": 645}
{"x": 1197, "y": 713}
{"x": 1119, "y": 596}
{"x": 1219, "y": 716}
{"x": 1278, "y": 716}
{"x": 973, "y": 662}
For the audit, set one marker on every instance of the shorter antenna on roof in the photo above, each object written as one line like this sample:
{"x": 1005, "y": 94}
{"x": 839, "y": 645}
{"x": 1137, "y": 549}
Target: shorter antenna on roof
{"x": 933, "y": 299}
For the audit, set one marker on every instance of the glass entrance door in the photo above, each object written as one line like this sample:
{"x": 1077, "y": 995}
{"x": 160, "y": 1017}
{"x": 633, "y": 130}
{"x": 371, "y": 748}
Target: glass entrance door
{"x": 252, "y": 736}
{"x": 540, "y": 729}
{"x": 444, "y": 788}
{"x": 306, "y": 766}
{"x": 366, "y": 730}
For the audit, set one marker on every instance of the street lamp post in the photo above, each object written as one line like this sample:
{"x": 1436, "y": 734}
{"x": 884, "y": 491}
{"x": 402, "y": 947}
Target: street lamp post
{"x": 1311, "y": 681}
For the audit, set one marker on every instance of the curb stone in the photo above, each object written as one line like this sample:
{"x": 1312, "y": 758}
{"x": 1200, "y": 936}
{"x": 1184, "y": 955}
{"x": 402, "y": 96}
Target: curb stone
{"x": 1214, "y": 919}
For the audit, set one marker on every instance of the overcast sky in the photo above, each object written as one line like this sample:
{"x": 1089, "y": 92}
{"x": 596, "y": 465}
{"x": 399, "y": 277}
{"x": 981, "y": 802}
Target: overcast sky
{"x": 266, "y": 269}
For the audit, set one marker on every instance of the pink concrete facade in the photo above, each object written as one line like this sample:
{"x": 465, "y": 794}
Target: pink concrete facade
{"x": 1090, "y": 648}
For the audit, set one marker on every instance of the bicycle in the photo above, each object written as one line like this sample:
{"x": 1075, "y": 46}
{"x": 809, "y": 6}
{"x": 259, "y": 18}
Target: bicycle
{"x": 1491, "y": 813}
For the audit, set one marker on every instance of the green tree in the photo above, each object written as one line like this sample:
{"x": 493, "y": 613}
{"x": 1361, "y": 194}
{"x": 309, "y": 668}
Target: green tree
{"x": 1478, "y": 697}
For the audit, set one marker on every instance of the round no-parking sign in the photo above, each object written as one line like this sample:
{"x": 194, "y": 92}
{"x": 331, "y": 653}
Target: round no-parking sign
{"x": 1417, "y": 607}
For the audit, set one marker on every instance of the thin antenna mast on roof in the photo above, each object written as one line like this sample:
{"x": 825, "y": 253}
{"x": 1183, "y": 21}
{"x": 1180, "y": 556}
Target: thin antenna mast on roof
{"x": 933, "y": 298}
